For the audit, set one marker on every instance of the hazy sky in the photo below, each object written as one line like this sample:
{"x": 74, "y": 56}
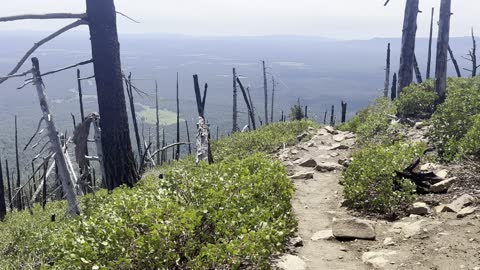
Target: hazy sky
{"x": 345, "y": 19}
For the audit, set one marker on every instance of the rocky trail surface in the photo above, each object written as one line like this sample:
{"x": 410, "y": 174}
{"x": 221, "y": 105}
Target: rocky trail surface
{"x": 443, "y": 232}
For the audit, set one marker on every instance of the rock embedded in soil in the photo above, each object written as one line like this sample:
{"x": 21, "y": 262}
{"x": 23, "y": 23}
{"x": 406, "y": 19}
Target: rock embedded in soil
{"x": 428, "y": 167}
{"x": 460, "y": 203}
{"x": 328, "y": 167}
{"x": 443, "y": 186}
{"x": 339, "y": 138}
{"x": 302, "y": 176}
{"x": 322, "y": 235}
{"x": 308, "y": 162}
{"x": 302, "y": 136}
{"x": 295, "y": 242}
{"x": 290, "y": 262}
{"x": 331, "y": 130}
{"x": 388, "y": 241}
{"x": 338, "y": 146}
{"x": 442, "y": 173}
{"x": 378, "y": 259}
{"x": 466, "y": 212}
{"x": 353, "y": 228}
{"x": 420, "y": 208}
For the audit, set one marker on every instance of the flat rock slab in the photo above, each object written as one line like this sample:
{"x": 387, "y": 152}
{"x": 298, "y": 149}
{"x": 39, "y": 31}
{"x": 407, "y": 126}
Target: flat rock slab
{"x": 442, "y": 173}
{"x": 304, "y": 176}
{"x": 338, "y": 146}
{"x": 460, "y": 203}
{"x": 331, "y": 130}
{"x": 379, "y": 259}
{"x": 290, "y": 262}
{"x": 420, "y": 208}
{"x": 408, "y": 229}
{"x": 328, "y": 167}
{"x": 323, "y": 235}
{"x": 443, "y": 186}
{"x": 353, "y": 228}
{"x": 308, "y": 162}
{"x": 466, "y": 212}
{"x": 339, "y": 138}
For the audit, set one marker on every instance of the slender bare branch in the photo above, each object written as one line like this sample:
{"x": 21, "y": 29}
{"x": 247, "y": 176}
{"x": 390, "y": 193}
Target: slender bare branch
{"x": 41, "y": 42}
{"x": 43, "y": 16}
{"x": 386, "y": 3}
{"x": 87, "y": 78}
{"x": 34, "y": 134}
{"x": 126, "y": 16}
{"x": 68, "y": 67}
{"x": 167, "y": 147}
{"x": 23, "y": 74}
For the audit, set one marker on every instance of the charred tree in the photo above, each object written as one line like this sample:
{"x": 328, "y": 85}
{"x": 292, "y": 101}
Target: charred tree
{"x": 120, "y": 166}
{"x": 405, "y": 74}
{"x": 418, "y": 74}
{"x": 157, "y": 124}
{"x": 3, "y": 206}
{"x": 177, "y": 152}
{"x": 306, "y": 112}
{"x": 332, "y": 116}
{"x": 17, "y": 163}
{"x": 203, "y": 133}
{"x": 9, "y": 185}
{"x": 128, "y": 84}
{"x": 387, "y": 73}
{"x": 442, "y": 50}
{"x": 430, "y": 41}
{"x": 265, "y": 89}
{"x": 249, "y": 105}
{"x": 235, "y": 109}
{"x": 472, "y": 57}
{"x": 80, "y": 95}
{"x": 273, "y": 99}
{"x": 344, "y": 111}
{"x": 325, "y": 117}
{"x": 188, "y": 138}
{"x": 393, "y": 93}
{"x": 454, "y": 61}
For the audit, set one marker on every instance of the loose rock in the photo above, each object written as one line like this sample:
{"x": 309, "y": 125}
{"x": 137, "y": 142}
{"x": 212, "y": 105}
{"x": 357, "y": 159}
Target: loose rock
{"x": 323, "y": 235}
{"x": 304, "y": 175}
{"x": 466, "y": 212}
{"x": 420, "y": 208}
{"x": 291, "y": 262}
{"x": 442, "y": 173}
{"x": 331, "y": 130}
{"x": 328, "y": 167}
{"x": 388, "y": 241}
{"x": 308, "y": 162}
{"x": 460, "y": 203}
{"x": 443, "y": 186}
{"x": 378, "y": 259}
{"x": 338, "y": 146}
{"x": 353, "y": 228}
{"x": 339, "y": 138}
{"x": 295, "y": 242}
{"x": 302, "y": 136}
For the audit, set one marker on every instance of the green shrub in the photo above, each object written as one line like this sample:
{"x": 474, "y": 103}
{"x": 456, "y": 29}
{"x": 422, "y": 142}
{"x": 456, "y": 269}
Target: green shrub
{"x": 417, "y": 100}
{"x": 469, "y": 145}
{"x": 296, "y": 113}
{"x": 453, "y": 119}
{"x": 371, "y": 183}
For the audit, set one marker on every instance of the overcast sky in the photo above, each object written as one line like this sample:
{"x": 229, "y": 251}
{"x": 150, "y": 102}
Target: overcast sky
{"x": 343, "y": 19}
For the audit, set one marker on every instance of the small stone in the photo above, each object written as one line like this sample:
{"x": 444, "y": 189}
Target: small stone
{"x": 331, "y": 130}
{"x": 328, "y": 167}
{"x": 420, "y": 208}
{"x": 302, "y": 136}
{"x": 308, "y": 162}
{"x": 322, "y": 235}
{"x": 443, "y": 186}
{"x": 290, "y": 262}
{"x": 442, "y": 174}
{"x": 338, "y": 146}
{"x": 460, "y": 203}
{"x": 296, "y": 242}
{"x": 388, "y": 241}
{"x": 305, "y": 176}
{"x": 311, "y": 144}
{"x": 378, "y": 259}
{"x": 334, "y": 154}
{"x": 442, "y": 208}
{"x": 340, "y": 257}
{"x": 353, "y": 228}
{"x": 466, "y": 212}
{"x": 428, "y": 167}
{"x": 339, "y": 138}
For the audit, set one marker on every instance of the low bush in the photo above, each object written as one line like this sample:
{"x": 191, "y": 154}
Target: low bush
{"x": 453, "y": 119}
{"x": 469, "y": 145}
{"x": 371, "y": 183}
{"x": 417, "y": 100}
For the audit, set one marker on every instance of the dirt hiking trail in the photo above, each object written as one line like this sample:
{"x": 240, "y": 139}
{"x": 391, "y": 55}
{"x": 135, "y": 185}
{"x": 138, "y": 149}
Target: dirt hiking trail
{"x": 440, "y": 241}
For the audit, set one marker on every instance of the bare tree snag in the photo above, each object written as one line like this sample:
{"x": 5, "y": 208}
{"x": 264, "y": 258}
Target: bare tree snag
{"x": 273, "y": 99}
{"x": 80, "y": 95}
{"x": 430, "y": 41}
{"x": 235, "y": 109}
{"x": 265, "y": 89}
{"x": 249, "y": 105}
{"x": 418, "y": 74}
{"x": 332, "y": 116}
{"x": 64, "y": 175}
{"x": 177, "y": 152}
{"x": 203, "y": 134}
{"x": 129, "y": 88}
{"x": 120, "y": 166}
{"x": 44, "y": 186}
{"x": 344, "y": 111}
{"x": 188, "y": 138}
{"x": 3, "y": 206}
{"x": 10, "y": 186}
{"x": 325, "y": 117}
{"x": 405, "y": 74}
{"x": 18, "y": 202}
{"x": 387, "y": 73}
{"x": 455, "y": 63}
{"x": 306, "y": 112}
{"x": 43, "y": 17}
{"x": 40, "y": 43}
{"x": 157, "y": 123}
{"x": 472, "y": 57}
{"x": 442, "y": 49}
{"x": 393, "y": 93}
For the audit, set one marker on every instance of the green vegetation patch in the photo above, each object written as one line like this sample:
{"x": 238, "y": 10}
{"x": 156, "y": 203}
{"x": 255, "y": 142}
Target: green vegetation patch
{"x": 232, "y": 214}
{"x": 417, "y": 100}
{"x": 149, "y": 115}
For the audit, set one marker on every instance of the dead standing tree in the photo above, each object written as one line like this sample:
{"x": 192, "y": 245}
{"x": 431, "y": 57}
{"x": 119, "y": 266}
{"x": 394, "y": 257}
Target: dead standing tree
{"x": 129, "y": 88}
{"x": 265, "y": 89}
{"x": 235, "y": 109}
{"x": 472, "y": 57}
{"x": 442, "y": 50}
{"x": 430, "y": 41}
{"x": 454, "y": 61}
{"x": 177, "y": 149}
{"x": 3, "y": 206}
{"x": 387, "y": 73}
{"x": 418, "y": 74}
{"x": 246, "y": 97}
{"x": 203, "y": 134}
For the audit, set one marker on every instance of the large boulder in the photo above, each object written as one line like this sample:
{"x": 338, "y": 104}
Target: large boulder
{"x": 353, "y": 228}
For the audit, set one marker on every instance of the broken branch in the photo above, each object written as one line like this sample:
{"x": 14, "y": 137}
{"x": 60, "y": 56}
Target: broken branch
{"x": 43, "y": 16}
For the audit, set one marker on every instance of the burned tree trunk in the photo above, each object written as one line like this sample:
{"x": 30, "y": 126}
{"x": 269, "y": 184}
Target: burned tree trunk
{"x": 430, "y": 40}
{"x": 273, "y": 99}
{"x": 17, "y": 162}
{"x": 188, "y": 138}
{"x": 418, "y": 74}
{"x": 325, "y": 117}
{"x": 332, "y": 116}
{"x": 235, "y": 110}
{"x": 80, "y": 95}
{"x": 157, "y": 124}
{"x": 472, "y": 54}
{"x": 306, "y": 112}
{"x": 265, "y": 89}
{"x": 454, "y": 61}
{"x": 120, "y": 167}
{"x": 442, "y": 50}
{"x": 203, "y": 134}
{"x": 10, "y": 186}
{"x": 249, "y": 105}
{"x": 344, "y": 111}
{"x": 56, "y": 146}
{"x": 405, "y": 74}
{"x": 393, "y": 93}
{"x": 387, "y": 73}
{"x": 128, "y": 84}
{"x": 3, "y": 206}
{"x": 177, "y": 152}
